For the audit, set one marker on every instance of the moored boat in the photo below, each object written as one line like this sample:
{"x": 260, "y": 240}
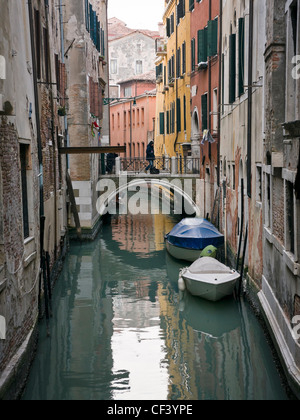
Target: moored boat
{"x": 209, "y": 279}
{"x": 189, "y": 237}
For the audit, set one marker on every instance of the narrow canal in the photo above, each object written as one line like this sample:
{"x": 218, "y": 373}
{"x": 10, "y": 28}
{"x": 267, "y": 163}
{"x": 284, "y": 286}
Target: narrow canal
{"x": 122, "y": 331}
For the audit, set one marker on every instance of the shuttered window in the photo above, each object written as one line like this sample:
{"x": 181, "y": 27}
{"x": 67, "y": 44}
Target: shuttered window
{"x": 172, "y": 24}
{"x": 232, "y": 67}
{"x": 168, "y": 27}
{"x": 212, "y": 36}
{"x": 204, "y": 111}
{"x": 178, "y": 115}
{"x": 183, "y": 58}
{"x": 87, "y": 17}
{"x": 178, "y": 62}
{"x": 184, "y": 113}
{"x": 161, "y": 123}
{"x": 91, "y": 15}
{"x": 202, "y": 45}
{"x": 192, "y": 5}
{"x": 193, "y": 54}
{"x": 168, "y": 122}
{"x": 241, "y": 55}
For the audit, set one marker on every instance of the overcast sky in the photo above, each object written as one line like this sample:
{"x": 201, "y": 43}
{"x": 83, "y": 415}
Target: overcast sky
{"x": 137, "y": 14}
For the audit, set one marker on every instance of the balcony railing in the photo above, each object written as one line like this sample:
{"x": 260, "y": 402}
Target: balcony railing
{"x": 166, "y": 165}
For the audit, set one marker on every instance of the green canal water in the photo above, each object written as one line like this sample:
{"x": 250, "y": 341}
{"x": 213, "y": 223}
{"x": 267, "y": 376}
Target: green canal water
{"x": 121, "y": 330}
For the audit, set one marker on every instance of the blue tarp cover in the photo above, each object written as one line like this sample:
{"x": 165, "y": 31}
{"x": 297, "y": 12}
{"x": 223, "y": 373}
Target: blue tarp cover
{"x": 195, "y": 233}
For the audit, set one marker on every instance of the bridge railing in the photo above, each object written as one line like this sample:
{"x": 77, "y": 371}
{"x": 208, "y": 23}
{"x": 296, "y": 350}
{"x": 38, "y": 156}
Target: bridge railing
{"x": 166, "y": 165}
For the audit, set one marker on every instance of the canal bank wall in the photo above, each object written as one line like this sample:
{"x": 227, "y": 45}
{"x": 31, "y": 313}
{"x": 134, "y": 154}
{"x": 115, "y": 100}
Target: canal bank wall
{"x": 14, "y": 377}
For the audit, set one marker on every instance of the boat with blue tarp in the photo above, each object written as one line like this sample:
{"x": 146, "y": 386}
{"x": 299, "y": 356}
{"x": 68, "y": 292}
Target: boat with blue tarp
{"x": 190, "y": 237}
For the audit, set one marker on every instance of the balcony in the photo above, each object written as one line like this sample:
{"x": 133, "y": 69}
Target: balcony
{"x": 161, "y": 47}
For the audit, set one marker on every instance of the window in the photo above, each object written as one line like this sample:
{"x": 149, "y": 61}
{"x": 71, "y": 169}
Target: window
{"x": 215, "y": 110}
{"x": 178, "y": 115}
{"x": 289, "y": 215}
{"x": 138, "y": 67}
{"x": 113, "y": 66}
{"x": 124, "y": 118}
{"x": 232, "y": 67}
{"x": 212, "y": 37}
{"x": 193, "y": 54}
{"x": 178, "y": 62}
{"x": 258, "y": 184}
{"x": 143, "y": 116}
{"x": 168, "y": 122}
{"x": 267, "y": 200}
{"x": 127, "y": 92}
{"x": 202, "y": 45}
{"x": 87, "y": 16}
{"x": 113, "y": 121}
{"x": 180, "y": 10}
{"x": 37, "y": 23}
{"x": 184, "y": 113}
{"x": 233, "y": 176}
{"x": 159, "y": 73}
{"x": 183, "y": 58}
{"x": 46, "y": 55}
{"x": 24, "y": 153}
{"x": 191, "y": 5}
{"x": 161, "y": 123}
{"x": 241, "y": 64}
{"x": 204, "y": 111}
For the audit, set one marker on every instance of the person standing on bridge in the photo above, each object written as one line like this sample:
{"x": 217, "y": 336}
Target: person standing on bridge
{"x": 150, "y": 156}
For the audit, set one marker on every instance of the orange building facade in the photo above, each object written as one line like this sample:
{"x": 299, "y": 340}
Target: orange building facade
{"x": 132, "y": 118}
{"x": 205, "y": 75}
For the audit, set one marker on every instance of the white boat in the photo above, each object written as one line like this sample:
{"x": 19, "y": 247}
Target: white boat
{"x": 209, "y": 279}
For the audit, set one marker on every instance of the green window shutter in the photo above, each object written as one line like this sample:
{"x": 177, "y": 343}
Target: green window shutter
{"x": 173, "y": 117}
{"x": 212, "y": 34}
{"x": 183, "y": 58}
{"x": 202, "y": 46}
{"x": 241, "y": 55}
{"x": 87, "y": 17}
{"x": 193, "y": 58}
{"x": 168, "y": 122}
{"x": 91, "y": 21}
{"x": 168, "y": 29}
{"x": 204, "y": 112}
{"x": 172, "y": 24}
{"x": 232, "y": 67}
{"x": 161, "y": 123}
{"x": 178, "y": 115}
{"x": 98, "y": 38}
{"x": 192, "y": 5}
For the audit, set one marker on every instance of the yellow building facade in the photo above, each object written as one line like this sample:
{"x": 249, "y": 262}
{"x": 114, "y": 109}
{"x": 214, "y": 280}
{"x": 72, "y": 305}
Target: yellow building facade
{"x": 173, "y": 68}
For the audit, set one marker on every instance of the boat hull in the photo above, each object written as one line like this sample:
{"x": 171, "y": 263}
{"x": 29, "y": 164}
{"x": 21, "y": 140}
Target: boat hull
{"x": 183, "y": 253}
{"x": 211, "y": 287}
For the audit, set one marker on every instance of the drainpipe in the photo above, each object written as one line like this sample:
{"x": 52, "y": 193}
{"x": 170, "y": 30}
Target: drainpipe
{"x": 250, "y": 91}
{"x": 209, "y": 93}
{"x": 176, "y": 81}
{"x": 219, "y": 89}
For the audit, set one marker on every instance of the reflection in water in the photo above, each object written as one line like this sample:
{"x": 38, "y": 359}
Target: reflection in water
{"x": 122, "y": 330}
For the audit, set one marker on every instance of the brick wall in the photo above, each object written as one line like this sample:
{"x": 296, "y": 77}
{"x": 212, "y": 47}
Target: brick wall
{"x": 17, "y": 306}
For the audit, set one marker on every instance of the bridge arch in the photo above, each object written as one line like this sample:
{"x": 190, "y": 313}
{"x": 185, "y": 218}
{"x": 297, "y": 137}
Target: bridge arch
{"x": 112, "y": 193}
